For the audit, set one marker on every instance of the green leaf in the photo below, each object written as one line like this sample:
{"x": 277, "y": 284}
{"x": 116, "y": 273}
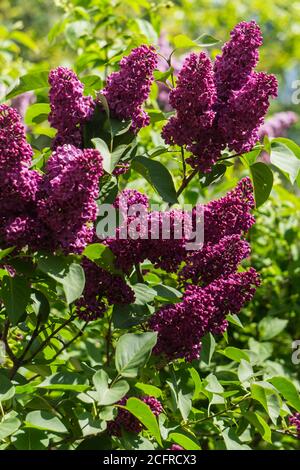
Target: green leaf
{"x": 234, "y": 320}
{"x": 9, "y": 425}
{"x": 167, "y": 293}
{"x": 211, "y": 384}
{"x": 7, "y": 389}
{"x": 163, "y": 76}
{"x": 35, "y": 111}
{"x": 182, "y": 391}
{"x": 284, "y": 158}
{"x": 64, "y": 381}
{"x": 102, "y": 256}
{"x": 103, "y": 149}
{"x": 208, "y": 348}
{"x": 288, "y": 390}
{"x": 149, "y": 389}
{"x": 125, "y": 316}
{"x": 6, "y": 252}
{"x": 91, "y": 83}
{"x": 232, "y": 442}
{"x": 24, "y": 39}
{"x": 106, "y": 394}
{"x": 69, "y": 275}
{"x": 45, "y": 420}
{"x": 206, "y": 40}
{"x": 119, "y": 127}
{"x": 235, "y": 354}
{"x": 158, "y": 176}
{"x": 147, "y": 30}
{"x": 15, "y": 294}
{"x": 260, "y": 424}
{"x": 143, "y": 413}
{"x": 131, "y": 442}
{"x": 31, "y": 439}
{"x": 262, "y": 178}
{"x": 30, "y": 81}
{"x": 133, "y": 352}
{"x": 143, "y": 294}
{"x": 76, "y": 30}
{"x": 40, "y": 305}
{"x": 245, "y": 371}
{"x": 108, "y": 191}
{"x": 266, "y": 395}
{"x": 217, "y": 172}
{"x": 181, "y": 41}
{"x": 185, "y": 441}
{"x": 269, "y": 327}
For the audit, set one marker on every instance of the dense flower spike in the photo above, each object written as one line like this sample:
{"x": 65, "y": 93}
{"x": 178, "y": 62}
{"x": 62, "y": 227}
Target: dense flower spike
{"x": 14, "y": 149}
{"x": 231, "y": 214}
{"x": 125, "y": 420}
{"x": 239, "y": 57}
{"x": 69, "y": 107}
{"x": 127, "y": 89}
{"x": 278, "y": 124}
{"x": 26, "y": 230}
{"x": 181, "y": 326}
{"x": 158, "y": 236}
{"x": 220, "y": 107}
{"x": 193, "y": 98}
{"x": 67, "y": 197}
{"x": 128, "y": 198}
{"x": 101, "y": 288}
{"x": 244, "y": 112}
{"x": 295, "y": 421}
{"x": 19, "y": 184}
{"x": 215, "y": 260}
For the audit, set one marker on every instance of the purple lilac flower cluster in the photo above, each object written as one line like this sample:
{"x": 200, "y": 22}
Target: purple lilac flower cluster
{"x": 56, "y": 210}
{"x": 19, "y": 184}
{"x": 278, "y": 124}
{"x": 69, "y": 107}
{"x": 125, "y": 420}
{"x": 222, "y": 105}
{"x": 101, "y": 288}
{"x": 181, "y": 326}
{"x": 148, "y": 240}
{"x": 67, "y": 196}
{"x": 213, "y": 286}
{"x": 295, "y": 421}
{"x": 127, "y": 89}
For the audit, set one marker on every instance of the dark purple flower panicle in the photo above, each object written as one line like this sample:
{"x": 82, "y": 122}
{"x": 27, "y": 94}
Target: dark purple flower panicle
{"x": 239, "y": 57}
{"x": 295, "y": 421}
{"x": 220, "y": 107}
{"x": 231, "y": 214}
{"x": 127, "y": 89}
{"x": 193, "y": 99}
{"x": 67, "y": 197}
{"x": 125, "y": 420}
{"x": 128, "y": 198}
{"x": 244, "y": 112}
{"x": 26, "y": 230}
{"x": 181, "y": 326}
{"x": 14, "y": 149}
{"x": 215, "y": 260}
{"x": 69, "y": 107}
{"x": 19, "y": 184}
{"x": 278, "y": 124}
{"x": 101, "y": 288}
